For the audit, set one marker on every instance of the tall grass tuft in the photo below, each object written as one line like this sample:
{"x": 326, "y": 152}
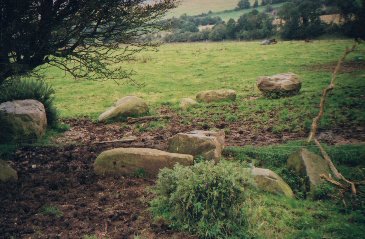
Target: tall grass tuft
{"x": 20, "y": 89}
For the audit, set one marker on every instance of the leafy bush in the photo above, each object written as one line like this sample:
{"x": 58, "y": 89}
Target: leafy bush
{"x": 204, "y": 199}
{"x": 31, "y": 89}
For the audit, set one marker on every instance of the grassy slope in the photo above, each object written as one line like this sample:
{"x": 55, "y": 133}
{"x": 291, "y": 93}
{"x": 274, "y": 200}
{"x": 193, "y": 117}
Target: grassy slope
{"x": 182, "y": 70}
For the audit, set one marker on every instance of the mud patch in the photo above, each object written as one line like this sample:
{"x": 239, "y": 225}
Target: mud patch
{"x": 59, "y": 196}
{"x": 347, "y": 67}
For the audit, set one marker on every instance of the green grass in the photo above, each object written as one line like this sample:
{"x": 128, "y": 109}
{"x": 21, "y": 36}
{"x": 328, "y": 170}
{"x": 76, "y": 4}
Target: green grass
{"x": 181, "y": 70}
{"x": 278, "y": 217}
{"x": 274, "y": 216}
{"x": 52, "y": 211}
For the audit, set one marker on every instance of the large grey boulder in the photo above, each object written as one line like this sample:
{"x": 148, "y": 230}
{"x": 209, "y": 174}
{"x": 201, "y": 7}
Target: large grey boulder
{"x": 309, "y": 165}
{"x": 207, "y": 144}
{"x": 7, "y": 173}
{"x": 128, "y": 161}
{"x": 269, "y": 181}
{"x": 186, "y": 103}
{"x": 128, "y": 106}
{"x": 22, "y": 120}
{"x": 275, "y": 86}
{"x": 216, "y": 95}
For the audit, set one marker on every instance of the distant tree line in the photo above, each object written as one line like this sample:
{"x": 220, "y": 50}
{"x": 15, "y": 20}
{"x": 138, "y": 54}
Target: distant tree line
{"x": 249, "y": 26}
{"x": 300, "y": 20}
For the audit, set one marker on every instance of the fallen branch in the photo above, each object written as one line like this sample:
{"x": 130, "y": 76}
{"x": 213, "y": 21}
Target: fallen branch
{"x": 126, "y": 140}
{"x": 331, "y": 86}
{"x": 316, "y": 120}
{"x": 331, "y": 180}
{"x": 131, "y": 120}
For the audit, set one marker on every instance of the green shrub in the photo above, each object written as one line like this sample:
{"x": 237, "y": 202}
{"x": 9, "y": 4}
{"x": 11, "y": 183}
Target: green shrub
{"x": 204, "y": 199}
{"x": 52, "y": 211}
{"x": 31, "y": 89}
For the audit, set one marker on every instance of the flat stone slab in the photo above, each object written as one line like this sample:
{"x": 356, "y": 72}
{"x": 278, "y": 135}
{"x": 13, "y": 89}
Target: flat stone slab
{"x": 216, "y": 95}
{"x": 128, "y": 161}
{"x": 310, "y": 165}
{"x": 207, "y": 144}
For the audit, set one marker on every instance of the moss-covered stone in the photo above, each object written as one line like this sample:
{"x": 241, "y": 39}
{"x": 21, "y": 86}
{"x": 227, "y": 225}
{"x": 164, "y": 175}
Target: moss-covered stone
{"x": 7, "y": 173}
{"x": 269, "y": 181}
{"x": 129, "y": 161}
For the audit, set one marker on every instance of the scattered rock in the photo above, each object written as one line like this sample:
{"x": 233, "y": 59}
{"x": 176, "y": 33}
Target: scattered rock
{"x": 129, "y": 106}
{"x": 207, "y": 144}
{"x": 129, "y": 161}
{"x": 269, "y": 42}
{"x": 216, "y": 95}
{"x": 22, "y": 120}
{"x": 7, "y": 173}
{"x": 279, "y": 85}
{"x": 310, "y": 165}
{"x": 186, "y": 103}
{"x": 269, "y": 181}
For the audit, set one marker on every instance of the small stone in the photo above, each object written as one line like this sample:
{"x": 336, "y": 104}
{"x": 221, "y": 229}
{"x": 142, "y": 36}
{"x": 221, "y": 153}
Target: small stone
{"x": 7, "y": 173}
{"x": 216, "y": 95}
{"x": 129, "y": 106}
{"x": 186, "y": 103}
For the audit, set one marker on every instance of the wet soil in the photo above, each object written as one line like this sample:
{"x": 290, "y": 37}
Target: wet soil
{"x": 60, "y": 178}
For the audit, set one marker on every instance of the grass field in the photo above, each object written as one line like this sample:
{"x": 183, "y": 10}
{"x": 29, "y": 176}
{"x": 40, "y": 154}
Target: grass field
{"x": 195, "y": 7}
{"x": 182, "y": 70}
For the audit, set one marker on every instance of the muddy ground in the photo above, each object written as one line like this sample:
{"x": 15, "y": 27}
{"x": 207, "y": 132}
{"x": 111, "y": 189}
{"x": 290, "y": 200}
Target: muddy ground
{"x": 61, "y": 177}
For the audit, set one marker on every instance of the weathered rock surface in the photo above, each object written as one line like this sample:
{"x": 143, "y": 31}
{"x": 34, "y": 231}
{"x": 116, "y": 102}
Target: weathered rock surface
{"x": 7, "y": 173}
{"x": 269, "y": 181}
{"x": 22, "y": 120}
{"x": 308, "y": 164}
{"x": 126, "y": 107}
{"x": 216, "y": 95}
{"x": 207, "y": 144}
{"x": 279, "y": 85}
{"x": 128, "y": 161}
{"x": 186, "y": 103}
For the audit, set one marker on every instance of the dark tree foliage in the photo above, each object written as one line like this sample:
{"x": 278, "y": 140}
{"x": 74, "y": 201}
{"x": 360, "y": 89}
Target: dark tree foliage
{"x": 243, "y": 4}
{"x": 255, "y": 4}
{"x": 353, "y": 12}
{"x": 302, "y": 19}
{"x": 254, "y": 25}
{"x": 83, "y": 37}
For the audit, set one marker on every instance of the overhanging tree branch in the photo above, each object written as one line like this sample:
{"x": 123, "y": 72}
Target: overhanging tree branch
{"x": 83, "y": 37}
